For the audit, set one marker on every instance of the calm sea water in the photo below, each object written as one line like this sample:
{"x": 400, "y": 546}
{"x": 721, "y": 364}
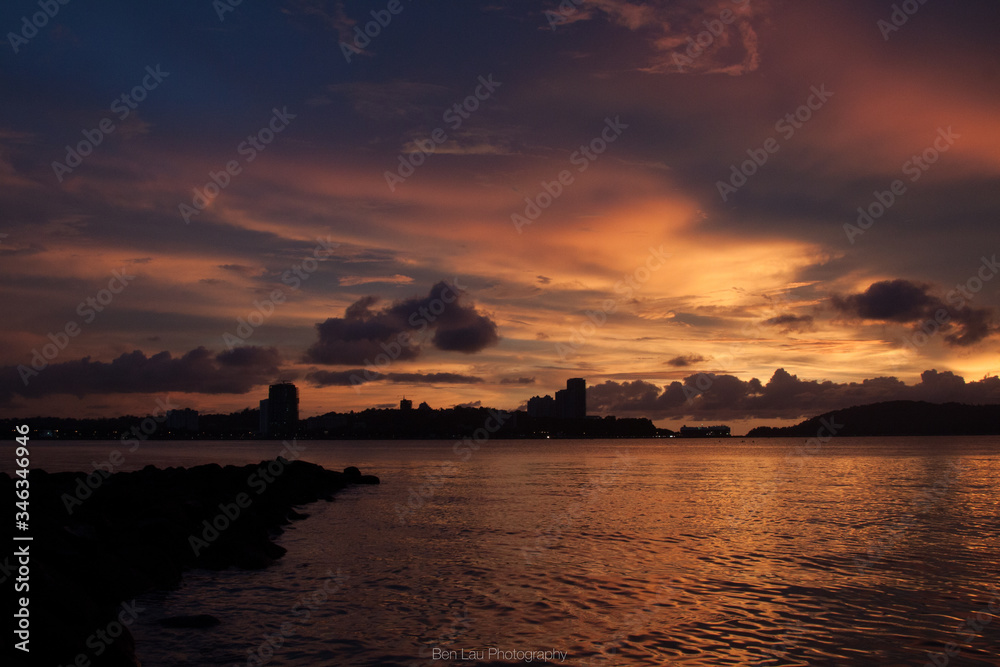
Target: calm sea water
{"x": 614, "y": 552}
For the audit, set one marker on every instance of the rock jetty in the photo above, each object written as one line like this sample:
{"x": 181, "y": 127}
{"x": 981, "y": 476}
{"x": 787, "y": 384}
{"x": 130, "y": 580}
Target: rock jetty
{"x": 98, "y": 543}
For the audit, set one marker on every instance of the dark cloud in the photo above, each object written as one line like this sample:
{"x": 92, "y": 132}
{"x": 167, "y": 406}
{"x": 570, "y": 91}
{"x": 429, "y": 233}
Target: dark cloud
{"x": 364, "y": 333}
{"x": 237, "y": 268}
{"x": 888, "y": 300}
{"x": 711, "y": 396}
{"x": 199, "y": 371}
{"x": 521, "y": 380}
{"x": 909, "y": 303}
{"x": 789, "y": 322}
{"x": 686, "y": 360}
{"x": 432, "y": 378}
{"x": 360, "y": 376}
{"x": 977, "y": 324}
{"x": 695, "y": 320}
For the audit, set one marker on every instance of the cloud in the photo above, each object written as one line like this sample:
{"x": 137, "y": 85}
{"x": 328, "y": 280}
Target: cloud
{"x": 361, "y": 376}
{"x": 907, "y": 302}
{"x": 788, "y": 322}
{"x": 521, "y": 380}
{"x": 711, "y": 396}
{"x": 241, "y": 269}
{"x": 686, "y": 360}
{"x": 363, "y": 333}
{"x": 397, "y": 279}
{"x": 336, "y": 19}
{"x": 620, "y": 12}
{"x": 977, "y": 324}
{"x": 713, "y": 37}
{"x": 393, "y": 99}
{"x": 889, "y": 300}
{"x": 199, "y": 371}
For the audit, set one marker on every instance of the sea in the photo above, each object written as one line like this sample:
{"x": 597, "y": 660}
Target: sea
{"x": 738, "y": 551}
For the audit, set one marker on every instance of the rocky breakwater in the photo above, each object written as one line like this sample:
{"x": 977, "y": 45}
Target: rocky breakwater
{"x": 92, "y": 553}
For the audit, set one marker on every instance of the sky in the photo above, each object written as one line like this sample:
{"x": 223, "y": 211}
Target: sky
{"x": 739, "y": 211}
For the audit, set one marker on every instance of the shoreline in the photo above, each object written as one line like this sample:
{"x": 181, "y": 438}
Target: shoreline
{"x": 95, "y": 549}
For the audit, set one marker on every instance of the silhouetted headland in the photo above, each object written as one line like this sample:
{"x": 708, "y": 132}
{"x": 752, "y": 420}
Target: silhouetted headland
{"x": 892, "y": 418}
{"x": 99, "y": 542}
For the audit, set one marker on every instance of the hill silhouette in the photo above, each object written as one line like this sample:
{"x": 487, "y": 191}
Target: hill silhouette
{"x": 896, "y": 418}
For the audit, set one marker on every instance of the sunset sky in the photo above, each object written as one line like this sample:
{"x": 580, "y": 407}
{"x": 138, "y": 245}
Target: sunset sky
{"x": 581, "y": 205}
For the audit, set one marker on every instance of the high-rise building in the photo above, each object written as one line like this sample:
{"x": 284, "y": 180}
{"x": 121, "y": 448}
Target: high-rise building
{"x": 405, "y": 404}
{"x": 279, "y": 414}
{"x": 264, "y": 417}
{"x": 575, "y": 406}
{"x": 569, "y": 403}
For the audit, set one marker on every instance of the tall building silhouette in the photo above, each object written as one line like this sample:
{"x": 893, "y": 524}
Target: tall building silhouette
{"x": 569, "y": 403}
{"x": 575, "y": 399}
{"x": 279, "y": 413}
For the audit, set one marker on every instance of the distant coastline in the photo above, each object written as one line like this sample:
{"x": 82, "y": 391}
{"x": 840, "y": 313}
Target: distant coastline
{"x": 903, "y": 418}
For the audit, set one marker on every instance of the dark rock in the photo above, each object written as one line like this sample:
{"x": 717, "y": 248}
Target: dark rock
{"x": 198, "y": 621}
{"x": 129, "y": 533}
